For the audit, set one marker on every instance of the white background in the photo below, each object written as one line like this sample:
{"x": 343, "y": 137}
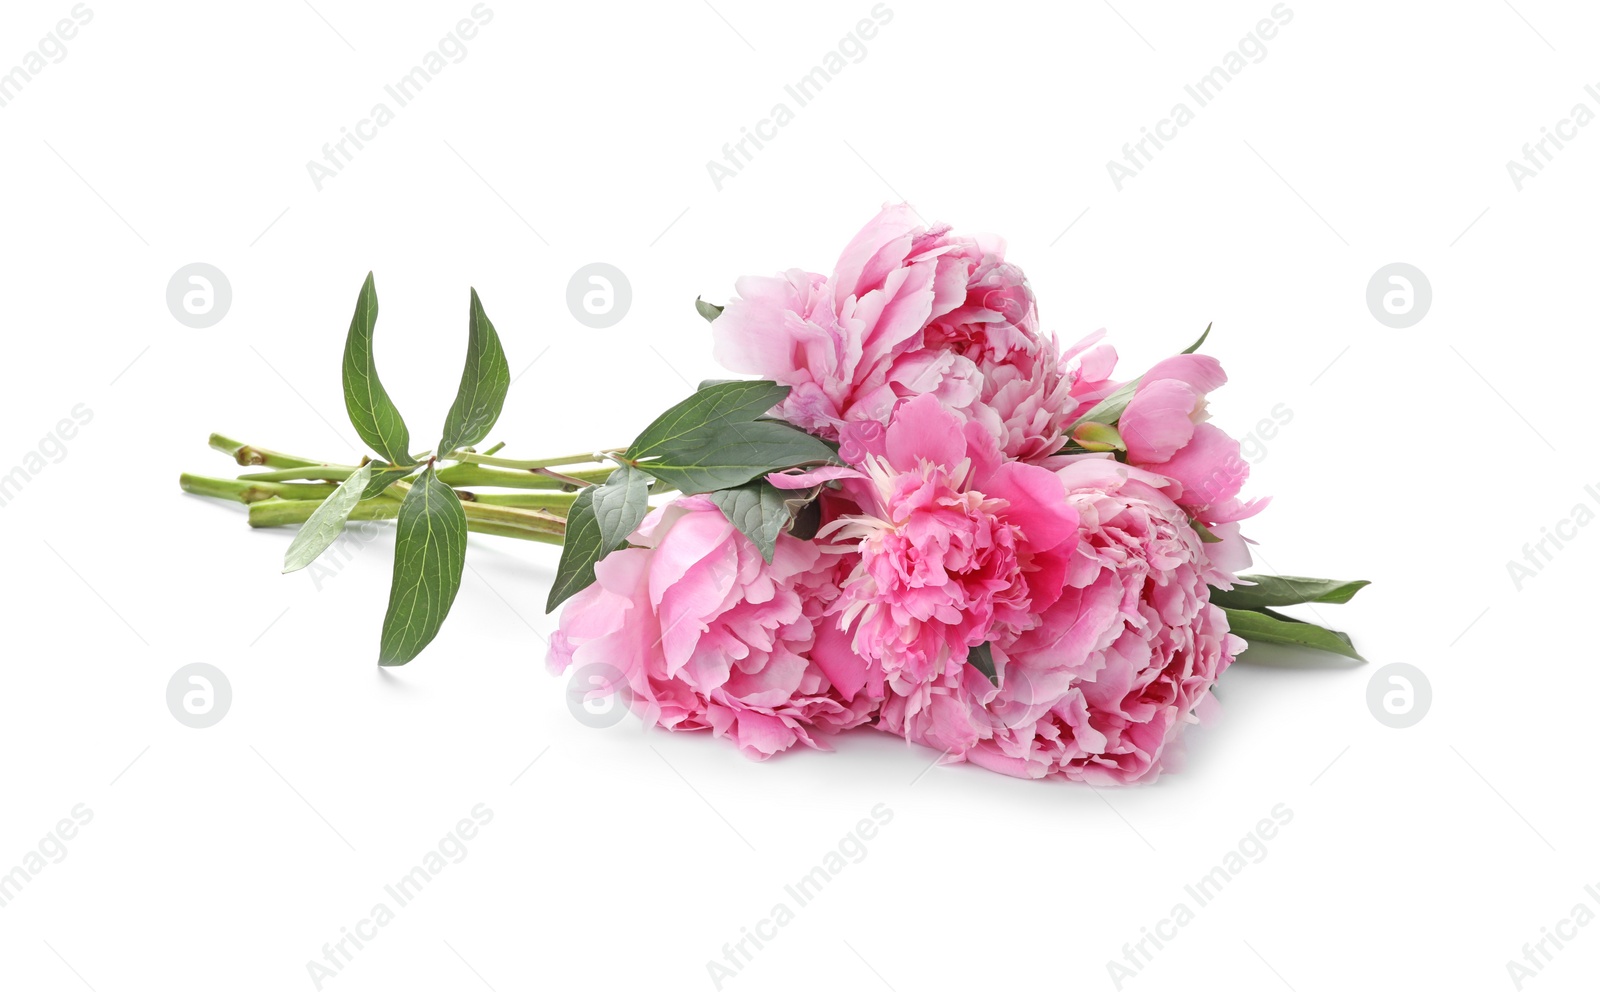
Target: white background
{"x": 1421, "y": 458}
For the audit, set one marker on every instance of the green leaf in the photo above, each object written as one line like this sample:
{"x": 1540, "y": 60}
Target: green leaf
{"x": 430, "y": 550}
{"x": 1109, "y": 409}
{"x": 322, "y": 528}
{"x": 726, "y": 455}
{"x": 620, "y": 504}
{"x": 1267, "y": 627}
{"x": 1286, "y": 590}
{"x": 1206, "y": 537}
{"x": 759, "y": 510}
{"x": 484, "y": 381}
{"x": 724, "y": 402}
{"x": 982, "y": 659}
{"x": 384, "y": 476}
{"x": 373, "y": 414}
{"x": 1196, "y": 346}
{"x": 710, "y": 311}
{"x": 580, "y": 549}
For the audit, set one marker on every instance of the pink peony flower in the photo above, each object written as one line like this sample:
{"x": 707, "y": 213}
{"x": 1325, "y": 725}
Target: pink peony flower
{"x": 1100, "y": 688}
{"x": 1165, "y": 431}
{"x": 911, "y": 311}
{"x": 955, "y": 547}
{"x": 703, "y": 634}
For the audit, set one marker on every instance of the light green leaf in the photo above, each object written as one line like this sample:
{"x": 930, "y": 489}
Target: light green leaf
{"x": 322, "y": 528}
{"x": 725, "y": 455}
{"x": 1206, "y": 537}
{"x": 724, "y": 402}
{"x": 1267, "y": 627}
{"x": 982, "y": 658}
{"x": 373, "y": 414}
{"x": 430, "y": 550}
{"x": 759, "y": 510}
{"x": 1286, "y": 590}
{"x": 580, "y": 549}
{"x": 1093, "y": 436}
{"x": 1109, "y": 409}
{"x": 710, "y": 311}
{"x": 484, "y": 381}
{"x": 620, "y": 504}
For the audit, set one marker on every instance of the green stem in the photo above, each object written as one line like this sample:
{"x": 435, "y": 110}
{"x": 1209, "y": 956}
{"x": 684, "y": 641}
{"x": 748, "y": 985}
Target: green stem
{"x": 506, "y": 523}
{"x": 250, "y": 490}
{"x": 474, "y": 458}
{"x": 244, "y": 454}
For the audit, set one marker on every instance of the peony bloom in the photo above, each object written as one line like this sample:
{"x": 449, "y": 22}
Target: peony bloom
{"x": 1100, "y": 688}
{"x": 912, "y": 311}
{"x": 1164, "y": 428}
{"x": 954, "y": 547}
{"x": 704, "y": 634}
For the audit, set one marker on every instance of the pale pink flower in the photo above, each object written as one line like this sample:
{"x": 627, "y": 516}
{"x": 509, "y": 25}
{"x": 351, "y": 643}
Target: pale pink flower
{"x": 704, "y": 635}
{"x": 912, "y": 311}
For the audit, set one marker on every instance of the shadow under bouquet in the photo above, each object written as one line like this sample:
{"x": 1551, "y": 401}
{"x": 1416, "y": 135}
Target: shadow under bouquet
{"x": 924, "y": 516}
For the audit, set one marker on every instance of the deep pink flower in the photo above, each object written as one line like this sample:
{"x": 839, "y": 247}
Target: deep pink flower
{"x": 956, "y": 547}
{"x": 703, "y": 634}
{"x": 1100, "y": 688}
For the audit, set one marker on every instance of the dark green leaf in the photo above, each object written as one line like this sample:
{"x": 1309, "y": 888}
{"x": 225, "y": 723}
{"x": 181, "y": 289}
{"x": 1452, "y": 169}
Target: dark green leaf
{"x": 1108, "y": 410}
{"x": 1206, "y": 537}
{"x": 1267, "y": 627}
{"x": 1285, "y": 590}
{"x": 326, "y": 522}
{"x": 580, "y": 549}
{"x": 430, "y": 549}
{"x": 982, "y": 659}
{"x": 725, "y": 402}
{"x": 371, "y": 411}
{"x": 620, "y": 504}
{"x": 726, "y": 455}
{"x": 484, "y": 381}
{"x": 759, "y": 510}
{"x": 710, "y": 311}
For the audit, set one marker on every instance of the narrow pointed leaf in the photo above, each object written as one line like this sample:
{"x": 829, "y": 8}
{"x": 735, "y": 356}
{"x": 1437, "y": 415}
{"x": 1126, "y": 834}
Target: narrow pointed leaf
{"x": 1285, "y": 590}
{"x": 741, "y": 400}
{"x": 759, "y": 510}
{"x": 484, "y": 381}
{"x": 1266, "y": 627}
{"x": 580, "y": 549}
{"x": 326, "y": 522}
{"x": 710, "y": 311}
{"x": 372, "y": 413}
{"x": 430, "y": 550}
{"x": 722, "y": 456}
{"x": 620, "y": 504}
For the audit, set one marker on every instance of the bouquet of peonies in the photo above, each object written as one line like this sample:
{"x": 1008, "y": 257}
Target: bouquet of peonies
{"x": 924, "y": 516}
